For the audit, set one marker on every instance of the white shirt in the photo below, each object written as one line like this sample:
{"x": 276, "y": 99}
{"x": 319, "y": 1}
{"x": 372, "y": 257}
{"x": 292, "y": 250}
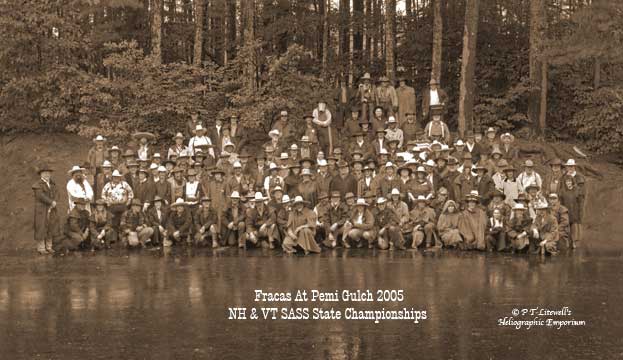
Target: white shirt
{"x": 434, "y": 97}
{"x": 74, "y": 190}
{"x": 199, "y": 141}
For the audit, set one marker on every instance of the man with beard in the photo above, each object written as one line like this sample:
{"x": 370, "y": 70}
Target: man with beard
{"x": 134, "y": 220}
{"x": 157, "y": 218}
{"x": 464, "y": 184}
{"x": 388, "y": 226}
{"x": 162, "y": 188}
{"x": 237, "y": 181}
{"x": 367, "y": 183}
{"x": 360, "y": 226}
{"x": 76, "y": 227}
{"x": 118, "y": 194}
{"x": 100, "y": 227}
{"x": 389, "y": 181}
{"x": 301, "y": 229}
{"x": 333, "y": 224}
{"x": 473, "y": 222}
{"x": 233, "y": 223}
{"x": 385, "y": 96}
{"x": 561, "y": 213}
{"x": 360, "y": 144}
{"x": 178, "y": 183}
{"x": 103, "y": 177}
{"x": 179, "y": 225}
{"x": 206, "y": 223}
{"x": 258, "y": 227}
{"x": 344, "y": 182}
{"x": 79, "y": 188}
{"x": 423, "y": 220}
{"x": 47, "y": 221}
{"x": 322, "y": 178}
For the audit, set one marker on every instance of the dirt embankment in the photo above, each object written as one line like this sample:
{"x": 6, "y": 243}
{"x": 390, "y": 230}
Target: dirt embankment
{"x": 20, "y": 155}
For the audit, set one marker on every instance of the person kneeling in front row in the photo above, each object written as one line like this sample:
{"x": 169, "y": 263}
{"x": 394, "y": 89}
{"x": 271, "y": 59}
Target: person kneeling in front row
{"x": 134, "y": 225}
{"x": 180, "y": 223}
{"x": 360, "y": 227}
{"x": 206, "y": 223}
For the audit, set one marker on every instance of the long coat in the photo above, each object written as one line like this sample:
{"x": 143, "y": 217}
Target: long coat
{"x": 46, "y": 226}
{"x": 406, "y": 102}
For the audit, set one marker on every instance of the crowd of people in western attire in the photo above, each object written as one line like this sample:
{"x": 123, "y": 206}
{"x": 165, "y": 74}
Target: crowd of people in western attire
{"x": 375, "y": 174}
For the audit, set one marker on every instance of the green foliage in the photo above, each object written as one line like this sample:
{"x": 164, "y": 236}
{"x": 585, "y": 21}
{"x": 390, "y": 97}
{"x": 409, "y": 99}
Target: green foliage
{"x": 287, "y": 86}
{"x": 600, "y": 120}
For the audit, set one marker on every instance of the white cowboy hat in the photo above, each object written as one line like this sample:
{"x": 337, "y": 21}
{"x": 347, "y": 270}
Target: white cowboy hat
{"x": 99, "y": 138}
{"x": 156, "y": 155}
{"x": 391, "y": 119}
{"x": 178, "y": 136}
{"x": 178, "y": 202}
{"x": 541, "y": 205}
{"x": 297, "y": 200}
{"x": 421, "y": 169}
{"x": 306, "y": 172}
{"x": 507, "y": 135}
{"x": 381, "y": 200}
{"x": 259, "y": 197}
{"x": 570, "y": 162}
{"x": 274, "y": 132}
{"x": 459, "y": 142}
{"x": 235, "y": 195}
{"x": 430, "y": 162}
{"x": 421, "y": 198}
{"x": 74, "y": 169}
{"x": 237, "y": 164}
{"x": 199, "y": 127}
{"x": 283, "y": 113}
{"x": 519, "y": 206}
{"x": 284, "y": 156}
{"x": 272, "y": 166}
{"x": 162, "y": 169}
{"x": 361, "y": 202}
{"x": 389, "y": 164}
{"x": 106, "y": 164}
{"x": 294, "y": 147}
{"x": 153, "y": 166}
{"x": 322, "y": 162}
{"x": 116, "y": 173}
{"x": 285, "y": 199}
{"x": 395, "y": 191}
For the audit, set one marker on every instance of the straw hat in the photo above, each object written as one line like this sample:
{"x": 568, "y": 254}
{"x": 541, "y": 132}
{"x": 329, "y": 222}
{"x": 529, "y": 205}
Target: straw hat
{"x": 74, "y": 169}
{"x": 178, "y": 202}
{"x": 361, "y": 202}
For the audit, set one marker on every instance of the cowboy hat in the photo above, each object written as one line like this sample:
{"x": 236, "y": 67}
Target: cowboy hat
{"x": 383, "y": 79}
{"x": 152, "y": 166}
{"x": 490, "y": 130}
{"x": 349, "y": 195}
{"x": 529, "y": 163}
{"x": 43, "y": 167}
{"x": 342, "y": 164}
{"x": 136, "y": 202}
{"x": 145, "y": 134}
{"x": 80, "y": 201}
{"x": 421, "y": 169}
{"x": 335, "y": 194}
{"x": 306, "y": 172}
{"x": 258, "y": 197}
{"x": 274, "y": 132}
{"x": 285, "y": 199}
{"x": 237, "y": 165}
{"x": 381, "y": 200}
{"x": 366, "y": 76}
{"x": 205, "y": 198}
{"x": 99, "y": 138}
{"x": 395, "y": 191}
{"x": 389, "y": 164}
{"x": 323, "y": 195}
{"x": 391, "y": 120}
{"x": 519, "y": 206}
{"x": 541, "y": 205}
{"x": 361, "y": 202}
{"x": 178, "y": 136}
{"x": 162, "y": 169}
{"x": 496, "y": 150}
{"x": 235, "y": 195}
{"x": 570, "y": 162}
{"x": 305, "y": 139}
{"x": 283, "y": 113}
{"x": 298, "y": 200}
{"x": 74, "y": 169}
{"x": 500, "y": 193}
{"x": 459, "y": 142}
{"x": 294, "y": 147}
{"x": 322, "y": 162}
{"x": 178, "y": 202}
{"x": 218, "y": 170}
{"x": 421, "y": 198}
{"x": 114, "y": 148}
{"x": 507, "y": 135}
{"x": 276, "y": 188}
{"x": 433, "y": 81}
{"x": 480, "y": 166}
{"x": 273, "y": 166}
{"x": 533, "y": 185}
{"x": 284, "y": 156}
{"x": 452, "y": 160}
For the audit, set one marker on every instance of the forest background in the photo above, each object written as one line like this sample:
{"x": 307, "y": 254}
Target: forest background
{"x": 541, "y": 68}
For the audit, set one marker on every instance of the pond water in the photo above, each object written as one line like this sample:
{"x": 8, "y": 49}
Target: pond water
{"x": 175, "y": 305}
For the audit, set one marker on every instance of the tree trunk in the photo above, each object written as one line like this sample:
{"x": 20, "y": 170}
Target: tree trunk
{"x": 249, "y": 38}
{"x": 358, "y": 19}
{"x": 156, "y": 31}
{"x": 437, "y": 41}
{"x": 344, "y": 36}
{"x": 537, "y": 29}
{"x": 468, "y": 66}
{"x": 325, "y": 36}
{"x": 198, "y": 48}
{"x": 597, "y": 73}
{"x": 390, "y": 40}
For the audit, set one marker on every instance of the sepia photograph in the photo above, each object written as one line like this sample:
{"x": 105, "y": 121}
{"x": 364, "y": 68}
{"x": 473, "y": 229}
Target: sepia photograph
{"x": 311, "y": 179}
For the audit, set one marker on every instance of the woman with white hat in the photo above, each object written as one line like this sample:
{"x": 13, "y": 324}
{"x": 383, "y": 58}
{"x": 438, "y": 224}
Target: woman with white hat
{"x": 519, "y": 227}
{"x": 301, "y": 229}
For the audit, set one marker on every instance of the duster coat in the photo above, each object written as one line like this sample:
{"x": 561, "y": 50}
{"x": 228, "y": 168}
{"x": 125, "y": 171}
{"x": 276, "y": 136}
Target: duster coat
{"x": 47, "y": 223}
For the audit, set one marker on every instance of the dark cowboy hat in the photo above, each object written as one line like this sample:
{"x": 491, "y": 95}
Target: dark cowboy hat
{"x": 136, "y": 202}
{"x": 44, "y": 167}
{"x": 405, "y": 167}
{"x": 157, "y": 198}
{"x": 480, "y": 166}
{"x": 342, "y": 163}
{"x": 521, "y": 197}
{"x": 498, "y": 192}
{"x": 169, "y": 161}
{"x": 308, "y": 159}
{"x": 218, "y": 170}
{"x": 144, "y": 134}
{"x": 80, "y": 201}
{"x": 335, "y": 194}
{"x": 436, "y": 110}
{"x": 349, "y": 195}
{"x": 364, "y": 122}
{"x": 129, "y": 153}
{"x": 359, "y": 133}
{"x": 533, "y": 185}
{"x": 323, "y": 195}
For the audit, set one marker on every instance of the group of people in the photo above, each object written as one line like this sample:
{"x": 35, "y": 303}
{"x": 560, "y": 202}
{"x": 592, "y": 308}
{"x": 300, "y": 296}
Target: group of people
{"x": 377, "y": 174}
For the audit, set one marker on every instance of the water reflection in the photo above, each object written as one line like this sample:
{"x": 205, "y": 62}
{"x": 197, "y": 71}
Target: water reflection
{"x": 182, "y": 296}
